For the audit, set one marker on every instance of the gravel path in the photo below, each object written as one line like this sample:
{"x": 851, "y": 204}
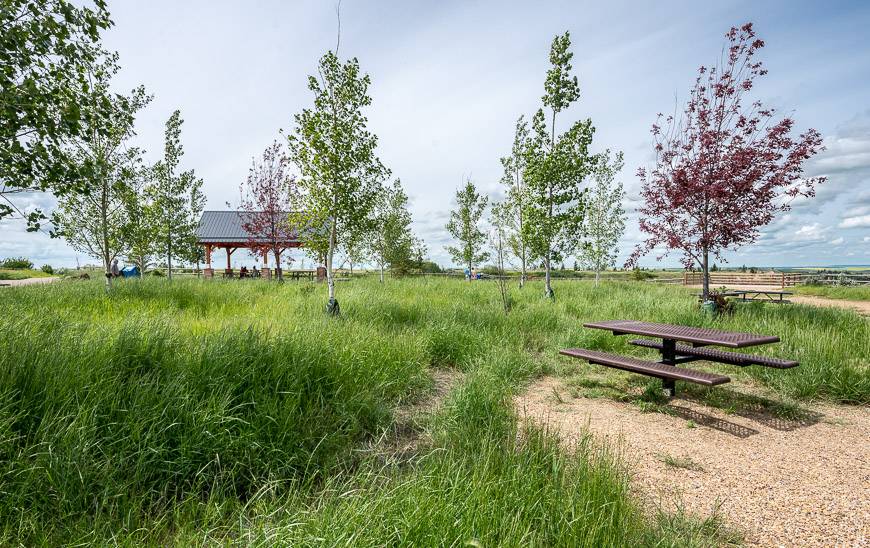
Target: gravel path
{"x": 783, "y": 483}
{"x": 862, "y": 307}
{"x": 29, "y": 281}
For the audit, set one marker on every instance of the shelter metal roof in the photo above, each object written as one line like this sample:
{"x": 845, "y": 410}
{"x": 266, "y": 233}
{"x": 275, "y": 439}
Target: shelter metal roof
{"x": 225, "y": 227}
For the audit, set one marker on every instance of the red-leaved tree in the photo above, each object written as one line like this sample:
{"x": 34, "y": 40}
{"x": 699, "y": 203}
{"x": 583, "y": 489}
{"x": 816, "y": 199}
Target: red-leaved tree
{"x": 722, "y": 170}
{"x": 266, "y": 199}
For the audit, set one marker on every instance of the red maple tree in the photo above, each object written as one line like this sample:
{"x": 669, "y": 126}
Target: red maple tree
{"x": 266, "y": 202}
{"x": 722, "y": 171}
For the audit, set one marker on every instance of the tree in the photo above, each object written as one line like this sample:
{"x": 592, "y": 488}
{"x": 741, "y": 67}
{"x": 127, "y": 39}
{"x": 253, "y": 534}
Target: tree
{"x": 463, "y": 226}
{"x": 266, "y": 201}
{"x": 501, "y": 218}
{"x": 392, "y": 243}
{"x": 555, "y": 167}
{"x": 722, "y": 170}
{"x": 93, "y": 222}
{"x": 176, "y": 200}
{"x": 605, "y": 216}
{"x": 340, "y": 174}
{"x": 138, "y": 230}
{"x": 514, "y": 168}
{"x": 47, "y": 48}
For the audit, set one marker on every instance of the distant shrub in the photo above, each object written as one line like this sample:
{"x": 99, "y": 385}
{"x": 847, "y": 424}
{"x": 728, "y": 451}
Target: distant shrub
{"x": 641, "y": 275}
{"x": 47, "y": 269}
{"x": 16, "y": 263}
{"x": 430, "y": 267}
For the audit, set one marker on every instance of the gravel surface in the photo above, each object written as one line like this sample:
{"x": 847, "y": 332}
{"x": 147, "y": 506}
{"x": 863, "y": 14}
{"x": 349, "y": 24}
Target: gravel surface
{"x": 28, "y": 281}
{"x": 782, "y": 482}
{"x": 862, "y": 307}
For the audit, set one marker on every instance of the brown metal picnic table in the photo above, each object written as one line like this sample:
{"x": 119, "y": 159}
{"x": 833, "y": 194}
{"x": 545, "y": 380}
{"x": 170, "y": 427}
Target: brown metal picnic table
{"x": 674, "y": 353}
{"x": 756, "y": 295}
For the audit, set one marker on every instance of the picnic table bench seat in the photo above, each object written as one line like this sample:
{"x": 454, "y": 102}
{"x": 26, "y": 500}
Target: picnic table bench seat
{"x": 721, "y": 356}
{"x": 652, "y": 369}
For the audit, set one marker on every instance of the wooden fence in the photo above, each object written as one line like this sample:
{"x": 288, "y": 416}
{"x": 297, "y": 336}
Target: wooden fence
{"x": 779, "y": 279}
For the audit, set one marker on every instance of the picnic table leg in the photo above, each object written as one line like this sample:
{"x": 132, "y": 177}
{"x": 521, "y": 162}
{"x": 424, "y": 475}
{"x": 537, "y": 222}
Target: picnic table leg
{"x": 669, "y": 357}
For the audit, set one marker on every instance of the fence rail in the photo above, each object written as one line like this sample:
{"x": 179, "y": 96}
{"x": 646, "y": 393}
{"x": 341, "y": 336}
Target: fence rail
{"x": 781, "y": 279}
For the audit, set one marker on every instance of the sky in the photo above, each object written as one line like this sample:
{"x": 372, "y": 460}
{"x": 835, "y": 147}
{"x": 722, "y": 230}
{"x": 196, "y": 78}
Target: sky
{"x": 450, "y": 78}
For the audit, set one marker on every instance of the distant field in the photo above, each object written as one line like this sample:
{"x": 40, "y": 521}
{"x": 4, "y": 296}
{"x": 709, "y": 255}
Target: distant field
{"x": 21, "y": 274}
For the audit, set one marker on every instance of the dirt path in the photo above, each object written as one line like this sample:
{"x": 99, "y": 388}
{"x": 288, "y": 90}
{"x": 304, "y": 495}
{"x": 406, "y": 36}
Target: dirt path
{"x": 783, "y": 482}
{"x": 862, "y": 307}
{"x": 406, "y": 435}
{"x": 28, "y": 281}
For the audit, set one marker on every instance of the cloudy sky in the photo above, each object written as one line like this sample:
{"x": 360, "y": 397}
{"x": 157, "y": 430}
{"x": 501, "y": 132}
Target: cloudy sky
{"x": 450, "y": 78}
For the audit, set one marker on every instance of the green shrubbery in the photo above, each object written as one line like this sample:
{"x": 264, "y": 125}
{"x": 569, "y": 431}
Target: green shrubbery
{"x": 16, "y": 263}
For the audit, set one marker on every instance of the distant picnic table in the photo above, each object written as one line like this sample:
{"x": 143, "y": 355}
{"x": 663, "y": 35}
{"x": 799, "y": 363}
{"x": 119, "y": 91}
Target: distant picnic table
{"x": 756, "y": 295}
{"x": 674, "y": 354}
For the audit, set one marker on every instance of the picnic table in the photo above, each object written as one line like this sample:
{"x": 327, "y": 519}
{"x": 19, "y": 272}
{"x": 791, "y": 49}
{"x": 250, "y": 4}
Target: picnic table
{"x": 673, "y": 353}
{"x": 756, "y": 295}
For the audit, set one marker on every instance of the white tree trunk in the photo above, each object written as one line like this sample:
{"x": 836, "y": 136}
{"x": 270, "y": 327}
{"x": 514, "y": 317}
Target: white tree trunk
{"x": 330, "y": 279}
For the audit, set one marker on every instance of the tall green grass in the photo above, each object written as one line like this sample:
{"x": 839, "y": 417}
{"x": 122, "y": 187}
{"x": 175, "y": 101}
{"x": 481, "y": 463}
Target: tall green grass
{"x": 187, "y": 411}
{"x": 853, "y": 293}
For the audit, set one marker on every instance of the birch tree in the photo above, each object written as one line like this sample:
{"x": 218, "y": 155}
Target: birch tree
{"x": 341, "y": 176}
{"x": 464, "y": 226}
{"x": 514, "y": 213}
{"x": 138, "y": 230}
{"x": 392, "y": 242}
{"x": 605, "y": 216}
{"x": 93, "y": 222}
{"x": 555, "y": 167}
{"x": 176, "y": 200}
{"x": 47, "y": 50}
{"x": 501, "y": 218}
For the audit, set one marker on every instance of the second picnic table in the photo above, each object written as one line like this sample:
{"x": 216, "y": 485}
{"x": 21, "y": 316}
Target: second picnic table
{"x": 673, "y": 353}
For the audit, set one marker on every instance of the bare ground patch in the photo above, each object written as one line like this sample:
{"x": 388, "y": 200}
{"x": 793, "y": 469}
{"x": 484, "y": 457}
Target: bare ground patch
{"x": 797, "y": 481}
{"x": 405, "y": 437}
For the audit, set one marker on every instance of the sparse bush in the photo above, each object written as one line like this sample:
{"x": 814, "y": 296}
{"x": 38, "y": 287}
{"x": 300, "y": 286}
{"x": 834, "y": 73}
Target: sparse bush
{"x": 641, "y": 275}
{"x": 16, "y": 263}
{"x": 47, "y": 269}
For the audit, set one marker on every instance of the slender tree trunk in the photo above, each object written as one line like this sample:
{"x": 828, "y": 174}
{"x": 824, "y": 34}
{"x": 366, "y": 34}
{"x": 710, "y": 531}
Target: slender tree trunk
{"x": 705, "y": 291}
{"x": 332, "y": 305}
{"x": 597, "y": 276}
{"x": 107, "y": 260}
{"x": 382, "y": 272}
{"x": 548, "y": 289}
{"x": 522, "y": 237}
{"x": 277, "y": 253}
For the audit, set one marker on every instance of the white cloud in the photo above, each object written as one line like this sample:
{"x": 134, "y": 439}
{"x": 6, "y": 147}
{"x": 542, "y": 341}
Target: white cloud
{"x": 838, "y": 241}
{"x": 814, "y": 232}
{"x": 860, "y": 221}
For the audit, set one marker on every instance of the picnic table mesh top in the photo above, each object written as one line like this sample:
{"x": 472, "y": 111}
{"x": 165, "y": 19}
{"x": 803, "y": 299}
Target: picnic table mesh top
{"x": 701, "y": 335}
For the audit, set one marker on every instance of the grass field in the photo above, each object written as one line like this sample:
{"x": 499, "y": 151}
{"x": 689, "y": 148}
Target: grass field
{"x": 851, "y": 293}
{"x": 236, "y": 412}
{"x": 21, "y": 273}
